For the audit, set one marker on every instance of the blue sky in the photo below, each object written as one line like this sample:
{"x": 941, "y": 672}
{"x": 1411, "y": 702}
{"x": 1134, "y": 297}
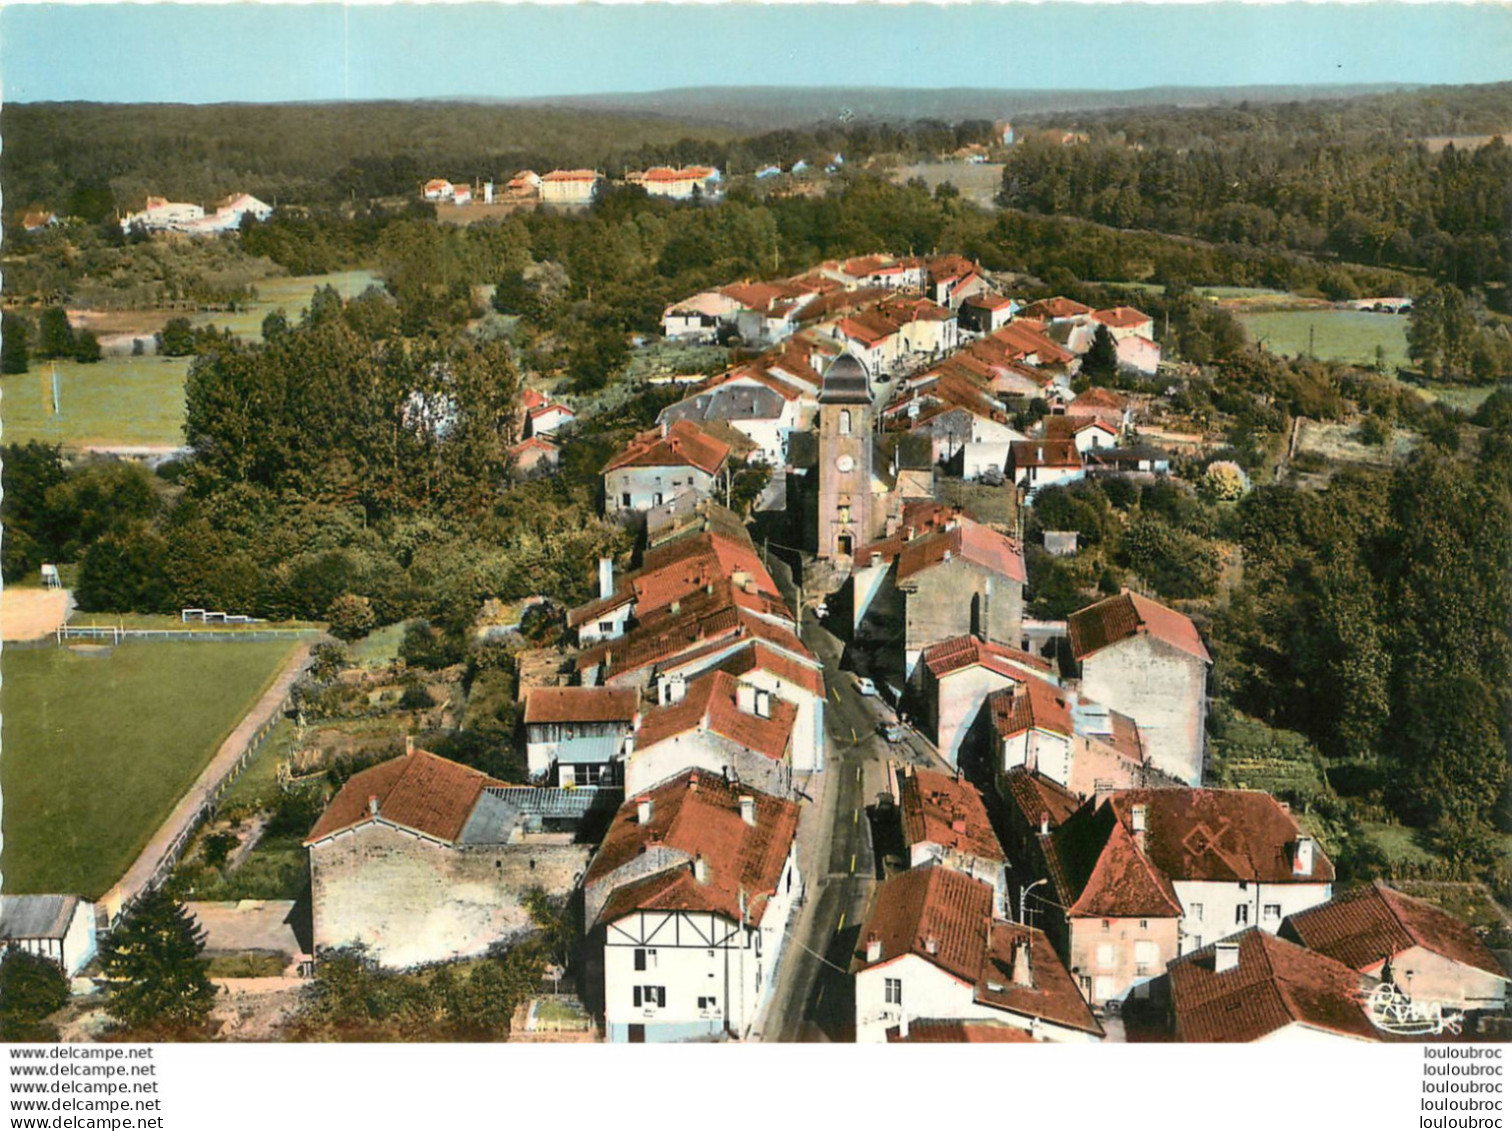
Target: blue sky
{"x": 258, "y": 52}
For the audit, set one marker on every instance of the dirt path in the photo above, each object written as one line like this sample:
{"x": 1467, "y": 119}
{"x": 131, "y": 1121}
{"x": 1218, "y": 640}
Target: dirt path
{"x": 32, "y": 614}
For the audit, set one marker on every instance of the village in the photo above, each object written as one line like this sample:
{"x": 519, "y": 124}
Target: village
{"x": 822, "y": 776}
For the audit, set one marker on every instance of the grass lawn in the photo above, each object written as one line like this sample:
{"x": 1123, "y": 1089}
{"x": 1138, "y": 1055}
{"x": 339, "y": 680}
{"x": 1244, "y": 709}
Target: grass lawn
{"x": 170, "y": 621}
{"x": 380, "y": 647}
{"x": 118, "y": 401}
{"x": 1466, "y": 398}
{"x": 99, "y": 747}
{"x": 291, "y": 294}
{"x": 1337, "y": 335}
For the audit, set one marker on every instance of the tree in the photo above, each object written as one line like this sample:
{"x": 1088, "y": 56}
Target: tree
{"x": 13, "y": 352}
{"x": 86, "y": 347}
{"x": 351, "y": 617}
{"x": 1440, "y": 331}
{"x": 157, "y": 981}
{"x": 31, "y": 988}
{"x": 55, "y": 337}
{"x": 1101, "y": 359}
{"x": 176, "y": 339}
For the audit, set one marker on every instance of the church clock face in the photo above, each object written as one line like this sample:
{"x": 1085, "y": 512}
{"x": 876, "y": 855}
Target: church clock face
{"x": 845, "y": 463}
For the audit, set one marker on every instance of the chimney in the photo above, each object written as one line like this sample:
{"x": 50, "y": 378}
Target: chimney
{"x": 606, "y": 577}
{"x": 642, "y": 810}
{"x": 958, "y": 824}
{"x": 748, "y": 810}
{"x": 745, "y": 698}
{"x": 764, "y": 704}
{"x": 693, "y": 782}
{"x": 409, "y": 744}
{"x": 931, "y": 944}
{"x": 1044, "y": 824}
{"x": 873, "y": 947}
{"x": 1023, "y": 968}
{"x": 700, "y": 869}
{"x": 673, "y": 689}
{"x": 1225, "y": 957}
{"x": 373, "y": 804}
{"x": 1302, "y": 863}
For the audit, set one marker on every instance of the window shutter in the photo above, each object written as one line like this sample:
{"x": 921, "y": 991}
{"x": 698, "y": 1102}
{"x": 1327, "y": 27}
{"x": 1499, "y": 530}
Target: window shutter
{"x": 635, "y": 996}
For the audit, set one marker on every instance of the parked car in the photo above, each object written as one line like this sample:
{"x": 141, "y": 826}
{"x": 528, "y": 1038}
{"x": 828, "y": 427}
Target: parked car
{"x": 893, "y": 732}
{"x": 865, "y": 686}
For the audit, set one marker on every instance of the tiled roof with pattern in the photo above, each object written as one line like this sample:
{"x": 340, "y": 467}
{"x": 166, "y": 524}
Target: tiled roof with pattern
{"x": 684, "y": 445}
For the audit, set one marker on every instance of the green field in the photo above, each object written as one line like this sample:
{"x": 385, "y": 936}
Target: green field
{"x": 291, "y": 294}
{"x": 1337, "y": 335}
{"x": 100, "y": 746}
{"x": 119, "y": 401}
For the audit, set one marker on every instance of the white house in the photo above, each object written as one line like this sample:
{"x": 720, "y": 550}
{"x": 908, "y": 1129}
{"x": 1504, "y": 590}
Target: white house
{"x": 931, "y": 949}
{"x": 955, "y": 679}
{"x": 1147, "y": 661}
{"x": 580, "y": 733}
{"x": 688, "y": 900}
{"x": 653, "y": 468}
{"x": 1034, "y": 464}
{"x": 59, "y": 927}
{"x": 570, "y": 186}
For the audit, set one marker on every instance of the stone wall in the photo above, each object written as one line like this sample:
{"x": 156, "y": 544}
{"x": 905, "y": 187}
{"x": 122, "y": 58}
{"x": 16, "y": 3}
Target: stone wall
{"x": 1164, "y": 690}
{"x": 411, "y": 900}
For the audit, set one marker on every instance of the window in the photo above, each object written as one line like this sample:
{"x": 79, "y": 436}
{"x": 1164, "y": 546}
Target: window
{"x": 1241, "y": 915}
{"x": 1107, "y": 955}
{"x": 1272, "y": 911}
{"x": 651, "y": 997}
{"x": 656, "y": 499}
{"x": 1196, "y": 911}
{"x": 708, "y": 1005}
{"x": 845, "y": 422}
{"x": 1146, "y": 958}
{"x": 1144, "y": 924}
{"x": 625, "y": 499}
{"x": 645, "y": 959}
{"x": 892, "y": 991}
{"x": 1243, "y": 885}
{"x": 1107, "y": 924}
{"x": 606, "y": 626}
{"x": 1086, "y": 985}
{"x": 845, "y": 514}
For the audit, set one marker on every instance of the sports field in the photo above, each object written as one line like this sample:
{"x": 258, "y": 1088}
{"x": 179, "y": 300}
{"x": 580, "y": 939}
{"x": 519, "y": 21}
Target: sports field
{"x": 98, "y": 746}
{"x": 1336, "y": 335}
{"x": 119, "y": 401}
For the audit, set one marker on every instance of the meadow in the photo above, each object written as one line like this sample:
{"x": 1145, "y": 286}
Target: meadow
{"x": 291, "y": 293}
{"x": 100, "y": 745}
{"x": 1336, "y": 335}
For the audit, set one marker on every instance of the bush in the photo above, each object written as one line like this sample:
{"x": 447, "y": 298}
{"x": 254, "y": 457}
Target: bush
{"x": 31, "y": 989}
{"x": 425, "y": 646}
{"x": 351, "y": 617}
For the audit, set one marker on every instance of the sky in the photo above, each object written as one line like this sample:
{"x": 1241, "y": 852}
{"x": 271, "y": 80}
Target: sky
{"x": 253, "y": 52}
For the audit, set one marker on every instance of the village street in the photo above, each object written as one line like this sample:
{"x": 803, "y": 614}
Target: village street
{"x": 813, "y": 997}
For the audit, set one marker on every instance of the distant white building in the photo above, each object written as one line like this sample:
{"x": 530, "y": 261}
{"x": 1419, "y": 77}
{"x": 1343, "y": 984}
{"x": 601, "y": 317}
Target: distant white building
{"x": 59, "y": 927}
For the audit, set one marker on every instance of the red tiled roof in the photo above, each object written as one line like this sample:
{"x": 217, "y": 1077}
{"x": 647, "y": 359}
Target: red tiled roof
{"x": 1036, "y": 796}
{"x": 572, "y": 175}
{"x": 1275, "y": 984}
{"x": 1052, "y": 996}
{"x": 866, "y": 328}
{"x": 779, "y": 664}
{"x": 1098, "y": 398}
{"x": 1221, "y": 835}
{"x": 580, "y": 705}
{"x": 1372, "y": 923}
{"x": 710, "y": 704}
{"x": 533, "y": 443}
{"x": 418, "y": 791}
{"x": 1057, "y": 307}
{"x": 1120, "y": 317}
{"x": 1016, "y": 341}
{"x": 1127, "y": 615}
{"x": 959, "y": 1032}
{"x": 1120, "y": 882}
{"x": 552, "y": 406}
{"x": 934, "y": 904}
{"x": 1044, "y": 453}
{"x": 1034, "y": 704}
{"x": 988, "y": 301}
{"x": 967, "y": 651}
{"x": 703, "y": 821}
{"x": 947, "y": 810}
{"x": 684, "y": 445}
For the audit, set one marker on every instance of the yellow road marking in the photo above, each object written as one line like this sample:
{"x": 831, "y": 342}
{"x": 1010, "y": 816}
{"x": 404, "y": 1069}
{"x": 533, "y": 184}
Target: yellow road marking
{"x": 840, "y": 926}
{"x": 858, "y": 768}
{"x": 855, "y": 816}
{"x": 820, "y": 998}
{"x": 854, "y": 739}
{"x": 853, "y": 863}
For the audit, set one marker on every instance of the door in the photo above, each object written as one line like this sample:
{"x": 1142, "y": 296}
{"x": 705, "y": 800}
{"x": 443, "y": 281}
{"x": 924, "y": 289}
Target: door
{"x": 636, "y": 1034}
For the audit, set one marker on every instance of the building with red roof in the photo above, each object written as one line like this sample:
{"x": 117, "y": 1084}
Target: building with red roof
{"x": 945, "y": 822}
{"x": 1036, "y": 464}
{"x": 655, "y": 466}
{"x": 1147, "y": 875}
{"x": 1057, "y": 733}
{"x": 1125, "y": 322}
{"x": 1428, "y": 954}
{"x": 1057, "y": 309}
{"x": 535, "y": 456}
{"x": 575, "y": 187}
{"x": 578, "y": 735}
{"x": 421, "y": 859}
{"x": 688, "y": 901}
{"x": 955, "y": 679}
{"x": 940, "y": 575}
{"x": 932, "y": 948}
{"x": 1256, "y": 987}
{"x": 1147, "y": 661}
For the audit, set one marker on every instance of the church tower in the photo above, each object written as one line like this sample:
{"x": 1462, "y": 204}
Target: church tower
{"x": 845, "y": 459}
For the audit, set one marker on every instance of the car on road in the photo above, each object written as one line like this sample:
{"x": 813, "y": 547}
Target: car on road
{"x": 893, "y": 732}
{"x": 865, "y": 686}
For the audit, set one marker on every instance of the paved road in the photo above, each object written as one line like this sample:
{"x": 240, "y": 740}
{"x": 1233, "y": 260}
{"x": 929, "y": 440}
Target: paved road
{"x": 814, "y": 999}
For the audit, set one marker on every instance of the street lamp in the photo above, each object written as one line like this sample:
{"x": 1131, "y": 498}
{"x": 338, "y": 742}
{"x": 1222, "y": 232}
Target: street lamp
{"x": 1023, "y": 900}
